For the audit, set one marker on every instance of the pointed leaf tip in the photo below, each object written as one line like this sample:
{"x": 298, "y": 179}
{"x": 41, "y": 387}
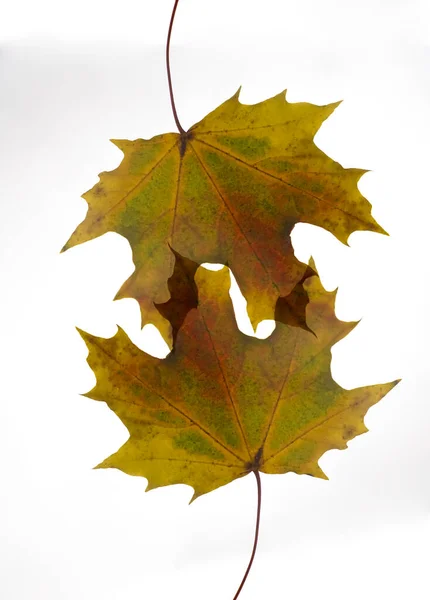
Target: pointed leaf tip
{"x": 237, "y": 93}
{"x": 319, "y": 473}
{"x": 64, "y": 248}
{"x": 84, "y": 335}
{"x": 334, "y": 105}
{"x": 120, "y": 144}
{"x": 194, "y": 497}
{"x": 312, "y": 265}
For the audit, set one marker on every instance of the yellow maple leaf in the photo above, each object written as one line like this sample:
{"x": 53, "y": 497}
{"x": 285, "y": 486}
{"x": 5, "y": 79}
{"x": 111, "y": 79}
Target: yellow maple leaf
{"x": 228, "y": 191}
{"x": 223, "y": 404}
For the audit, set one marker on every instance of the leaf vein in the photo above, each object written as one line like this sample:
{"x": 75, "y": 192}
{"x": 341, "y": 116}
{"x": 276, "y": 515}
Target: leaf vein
{"x": 268, "y": 174}
{"x": 134, "y": 187}
{"x": 166, "y": 400}
{"x": 305, "y": 433}
{"x": 234, "y": 217}
{"x": 278, "y": 399}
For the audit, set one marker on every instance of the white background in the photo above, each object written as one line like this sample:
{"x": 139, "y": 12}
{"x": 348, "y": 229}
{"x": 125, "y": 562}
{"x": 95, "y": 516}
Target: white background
{"x": 73, "y": 75}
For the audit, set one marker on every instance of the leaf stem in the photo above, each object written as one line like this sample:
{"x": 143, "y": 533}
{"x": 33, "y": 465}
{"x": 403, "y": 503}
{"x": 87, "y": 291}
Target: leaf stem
{"x": 169, "y": 76}
{"x": 257, "y": 528}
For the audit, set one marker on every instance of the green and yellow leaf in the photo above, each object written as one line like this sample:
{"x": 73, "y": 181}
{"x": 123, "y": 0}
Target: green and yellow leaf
{"x": 228, "y": 191}
{"x": 223, "y": 404}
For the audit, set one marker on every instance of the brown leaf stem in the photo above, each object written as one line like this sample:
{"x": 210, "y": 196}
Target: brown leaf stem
{"x": 169, "y": 75}
{"x": 257, "y": 528}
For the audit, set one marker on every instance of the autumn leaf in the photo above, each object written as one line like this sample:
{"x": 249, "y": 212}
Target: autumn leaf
{"x": 222, "y": 403}
{"x": 228, "y": 191}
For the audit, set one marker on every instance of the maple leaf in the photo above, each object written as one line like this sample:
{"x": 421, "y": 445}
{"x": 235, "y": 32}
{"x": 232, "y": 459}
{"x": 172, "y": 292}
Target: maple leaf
{"x": 223, "y": 404}
{"x": 228, "y": 191}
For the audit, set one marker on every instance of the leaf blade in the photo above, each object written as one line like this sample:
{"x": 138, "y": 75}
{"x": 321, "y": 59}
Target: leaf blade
{"x": 230, "y": 402}
{"x": 231, "y": 192}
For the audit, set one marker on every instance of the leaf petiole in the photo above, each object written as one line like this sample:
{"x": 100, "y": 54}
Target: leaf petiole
{"x": 169, "y": 75}
{"x": 257, "y": 529}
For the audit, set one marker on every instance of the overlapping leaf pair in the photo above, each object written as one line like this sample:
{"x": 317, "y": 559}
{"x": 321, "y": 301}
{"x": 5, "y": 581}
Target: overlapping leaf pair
{"x": 228, "y": 191}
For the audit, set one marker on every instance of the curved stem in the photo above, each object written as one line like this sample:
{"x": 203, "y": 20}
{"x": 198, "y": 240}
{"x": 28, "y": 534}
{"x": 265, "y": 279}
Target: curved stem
{"x": 169, "y": 76}
{"x": 257, "y": 528}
